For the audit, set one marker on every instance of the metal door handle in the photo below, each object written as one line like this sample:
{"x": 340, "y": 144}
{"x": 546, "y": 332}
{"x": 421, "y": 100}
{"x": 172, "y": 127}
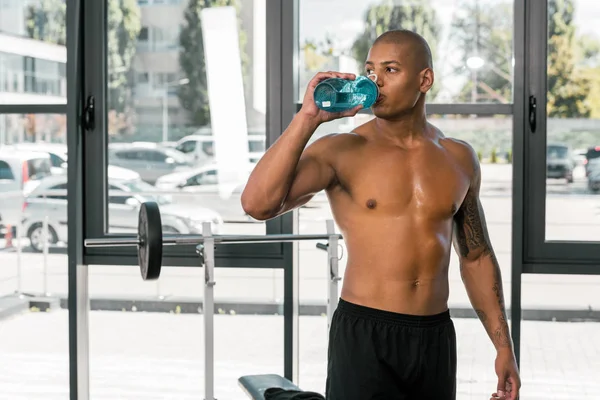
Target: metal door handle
{"x": 532, "y": 113}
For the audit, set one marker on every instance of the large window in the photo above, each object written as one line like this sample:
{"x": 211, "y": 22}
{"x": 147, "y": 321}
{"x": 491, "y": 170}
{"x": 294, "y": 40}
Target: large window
{"x": 563, "y": 130}
{"x": 182, "y": 114}
{"x": 173, "y": 130}
{"x": 33, "y": 237}
{"x": 165, "y": 118}
{"x": 472, "y": 49}
{"x": 471, "y": 42}
{"x": 33, "y": 277}
{"x": 573, "y": 121}
{"x": 480, "y": 75}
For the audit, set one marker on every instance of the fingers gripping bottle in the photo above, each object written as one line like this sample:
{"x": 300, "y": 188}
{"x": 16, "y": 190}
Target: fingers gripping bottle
{"x": 337, "y": 94}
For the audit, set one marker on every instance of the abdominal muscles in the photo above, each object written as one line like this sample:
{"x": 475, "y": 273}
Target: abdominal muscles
{"x": 398, "y": 264}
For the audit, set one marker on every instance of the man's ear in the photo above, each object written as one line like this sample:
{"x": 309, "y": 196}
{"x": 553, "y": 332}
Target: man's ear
{"x": 427, "y": 79}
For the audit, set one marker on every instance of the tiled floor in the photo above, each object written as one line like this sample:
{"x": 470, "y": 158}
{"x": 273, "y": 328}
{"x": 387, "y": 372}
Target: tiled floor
{"x": 159, "y": 356}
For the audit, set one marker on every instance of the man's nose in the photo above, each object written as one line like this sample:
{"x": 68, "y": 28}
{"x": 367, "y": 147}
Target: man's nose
{"x": 375, "y": 78}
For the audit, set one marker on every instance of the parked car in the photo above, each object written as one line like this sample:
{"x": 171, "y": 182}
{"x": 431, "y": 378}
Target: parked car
{"x": 592, "y": 153}
{"x": 201, "y": 148}
{"x": 559, "y": 162}
{"x": 593, "y": 174}
{"x": 57, "y": 152}
{"x": 20, "y": 173}
{"x": 125, "y": 198}
{"x": 150, "y": 160}
{"x": 204, "y": 179}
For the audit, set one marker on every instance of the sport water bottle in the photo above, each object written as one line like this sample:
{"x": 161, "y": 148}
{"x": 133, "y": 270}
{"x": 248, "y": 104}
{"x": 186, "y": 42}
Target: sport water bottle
{"x": 337, "y": 94}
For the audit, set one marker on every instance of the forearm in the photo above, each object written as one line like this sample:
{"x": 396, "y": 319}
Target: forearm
{"x": 270, "y": 181}
{"x": 483, "y": 282}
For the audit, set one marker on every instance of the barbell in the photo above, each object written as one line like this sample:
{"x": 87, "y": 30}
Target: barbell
{"x": 150, "y": 240}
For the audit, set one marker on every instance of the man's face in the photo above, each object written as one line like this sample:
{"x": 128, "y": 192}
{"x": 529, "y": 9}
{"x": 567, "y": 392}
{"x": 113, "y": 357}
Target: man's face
{"x": 399, "y": 78}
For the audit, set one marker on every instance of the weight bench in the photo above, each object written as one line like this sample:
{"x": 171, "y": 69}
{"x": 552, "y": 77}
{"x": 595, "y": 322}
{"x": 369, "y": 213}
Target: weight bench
{"x": 256, "y": 385}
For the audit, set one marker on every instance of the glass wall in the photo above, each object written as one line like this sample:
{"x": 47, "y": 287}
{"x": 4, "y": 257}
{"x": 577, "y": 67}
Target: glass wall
{"x": 472, "y": 49}
{"x": 147, "y": 338}
{"x": 33, "y": 277}
{"x": 471, "y": 42}
{"x": 186, "y": 120}
{"x": 34, "y": 338}
{"x": 185, "y": 123}
{"x": 170, "y": 101}
{"x": 558, "y": 353}
{"x": 573, "y": 121}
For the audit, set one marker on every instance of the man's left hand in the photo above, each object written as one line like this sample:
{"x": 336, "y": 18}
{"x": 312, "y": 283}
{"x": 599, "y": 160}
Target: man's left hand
{"x": 509, "y": 381}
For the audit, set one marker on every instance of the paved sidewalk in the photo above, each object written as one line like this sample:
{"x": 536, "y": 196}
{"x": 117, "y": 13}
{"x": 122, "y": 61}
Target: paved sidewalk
{"x": 159, "y": 356}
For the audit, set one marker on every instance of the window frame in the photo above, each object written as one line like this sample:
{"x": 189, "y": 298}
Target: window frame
{"x": 267, "y": 255}
{"x": 544, "y": 256}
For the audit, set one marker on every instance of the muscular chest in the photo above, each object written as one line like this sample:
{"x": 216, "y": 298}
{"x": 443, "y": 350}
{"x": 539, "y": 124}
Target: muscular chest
{"x": 426, "y": 183}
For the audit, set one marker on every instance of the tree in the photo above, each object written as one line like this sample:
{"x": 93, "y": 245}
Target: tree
{"x": 123, "y": 27}
{"x": 319, "y": 56}
{"x": 312, "y": 59}
{"x": 567, "y": 86}
{"x": 387, "y": 15}
{"x": 483, "y": 30}
{"x": 46, "y": 21}
{"x": 194, "y": 95}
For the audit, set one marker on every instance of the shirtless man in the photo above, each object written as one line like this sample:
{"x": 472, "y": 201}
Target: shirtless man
{"x": 401, "y": 192}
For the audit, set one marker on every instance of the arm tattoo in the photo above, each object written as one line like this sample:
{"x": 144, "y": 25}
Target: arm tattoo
{"x": 498, "y": 285}
{"x": 482, "y": 317}
{"x": 472, "y": 242}
{"x": 502, "y": 335}
{"x": 470, "y": 233}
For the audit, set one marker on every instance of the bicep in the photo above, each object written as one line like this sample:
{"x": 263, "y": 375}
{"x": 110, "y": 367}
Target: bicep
{"x": 313, "y": 174}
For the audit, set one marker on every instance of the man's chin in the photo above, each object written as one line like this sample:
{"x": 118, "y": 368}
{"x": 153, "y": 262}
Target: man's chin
{"x": 380, "y": 112}
{"x": 390, "y": 114}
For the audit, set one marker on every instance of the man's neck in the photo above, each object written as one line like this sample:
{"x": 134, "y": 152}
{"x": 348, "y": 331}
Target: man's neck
{"x": 404, "y": 129}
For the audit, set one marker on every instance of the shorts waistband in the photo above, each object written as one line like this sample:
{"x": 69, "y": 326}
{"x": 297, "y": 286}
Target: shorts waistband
{"x": 424, "y": 321}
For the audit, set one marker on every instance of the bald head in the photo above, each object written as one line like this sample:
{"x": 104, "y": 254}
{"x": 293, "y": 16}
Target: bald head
{"x": 416, "y": 45}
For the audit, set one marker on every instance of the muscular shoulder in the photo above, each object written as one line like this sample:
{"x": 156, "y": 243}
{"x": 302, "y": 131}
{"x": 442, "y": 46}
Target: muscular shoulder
{"x": 332, "y": 145}
{"x": 464, "y": 154}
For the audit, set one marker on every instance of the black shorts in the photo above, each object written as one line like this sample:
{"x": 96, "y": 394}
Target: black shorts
{"x": 375, "y": 354}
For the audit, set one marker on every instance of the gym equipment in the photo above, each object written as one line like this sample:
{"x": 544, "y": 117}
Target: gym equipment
{"x": 150, "y": 240}
{"x": 256, "y": 385}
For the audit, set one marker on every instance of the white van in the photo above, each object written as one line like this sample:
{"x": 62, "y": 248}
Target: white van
{"x": 57, "y": 152}
{"x": 201, "y": 147}
{"x": 20, "y": 174}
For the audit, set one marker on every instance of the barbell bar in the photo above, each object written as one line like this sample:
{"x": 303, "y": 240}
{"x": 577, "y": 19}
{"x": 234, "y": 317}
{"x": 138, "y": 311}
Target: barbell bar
{"x": 150, "y": 240}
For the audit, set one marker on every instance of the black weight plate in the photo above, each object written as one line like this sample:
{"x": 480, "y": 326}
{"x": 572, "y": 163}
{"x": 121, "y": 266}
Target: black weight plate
{"x": 151, "y": 241}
